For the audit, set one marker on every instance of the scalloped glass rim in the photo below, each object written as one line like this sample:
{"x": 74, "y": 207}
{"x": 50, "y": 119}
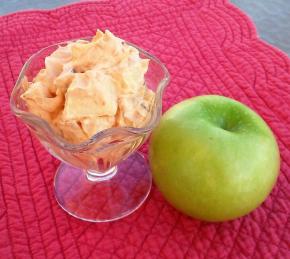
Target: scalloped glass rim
{"x": 156, "y": 113}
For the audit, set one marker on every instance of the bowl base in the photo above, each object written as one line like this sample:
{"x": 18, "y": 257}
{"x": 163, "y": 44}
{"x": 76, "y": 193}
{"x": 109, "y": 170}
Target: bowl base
{"x": 107, "y": 199}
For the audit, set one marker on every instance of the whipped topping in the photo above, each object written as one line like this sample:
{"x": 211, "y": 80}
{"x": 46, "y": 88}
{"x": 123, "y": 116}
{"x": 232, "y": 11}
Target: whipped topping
{"x": 87, "y": 87}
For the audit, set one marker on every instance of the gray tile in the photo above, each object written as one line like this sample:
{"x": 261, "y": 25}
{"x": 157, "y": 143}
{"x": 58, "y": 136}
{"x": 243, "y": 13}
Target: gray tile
{"x": 272, "y": 17}
{"x": 9, "y": 6}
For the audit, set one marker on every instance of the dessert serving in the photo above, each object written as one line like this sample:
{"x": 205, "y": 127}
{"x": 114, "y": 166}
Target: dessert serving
{"x": 89, "y": 86}
{"x": 92, "y": 103}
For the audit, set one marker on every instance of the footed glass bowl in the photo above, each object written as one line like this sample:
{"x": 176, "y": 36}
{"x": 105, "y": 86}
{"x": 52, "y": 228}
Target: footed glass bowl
{"x": 104, "y": 178}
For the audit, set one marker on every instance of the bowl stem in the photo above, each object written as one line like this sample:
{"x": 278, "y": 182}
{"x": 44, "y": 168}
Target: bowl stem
{"x": 95, "y": 176}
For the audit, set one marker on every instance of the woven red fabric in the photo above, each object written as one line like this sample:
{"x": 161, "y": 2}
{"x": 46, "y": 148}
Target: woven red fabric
{"x": 208, "y": 47}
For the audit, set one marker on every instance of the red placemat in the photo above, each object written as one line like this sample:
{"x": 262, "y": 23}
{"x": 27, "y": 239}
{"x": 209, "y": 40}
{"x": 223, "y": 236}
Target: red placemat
{"x": 209, "y": 47}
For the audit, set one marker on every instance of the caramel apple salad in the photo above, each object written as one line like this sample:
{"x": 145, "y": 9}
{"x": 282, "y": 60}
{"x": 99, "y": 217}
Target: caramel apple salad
{"x": 89, "y": 86}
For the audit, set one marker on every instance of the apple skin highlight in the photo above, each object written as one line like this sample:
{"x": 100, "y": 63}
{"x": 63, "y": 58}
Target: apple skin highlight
{"x": 213, "y": 158}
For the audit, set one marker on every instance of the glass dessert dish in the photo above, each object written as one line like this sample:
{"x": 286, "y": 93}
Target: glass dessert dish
{"x": 104, "y": 178}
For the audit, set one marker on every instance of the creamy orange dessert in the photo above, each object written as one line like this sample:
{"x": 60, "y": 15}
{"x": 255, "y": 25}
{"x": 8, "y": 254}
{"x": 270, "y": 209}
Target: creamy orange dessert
{"x": 89, "y": 86}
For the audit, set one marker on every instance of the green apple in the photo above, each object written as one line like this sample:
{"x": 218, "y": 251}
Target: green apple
{"x": 214, "y": 158}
